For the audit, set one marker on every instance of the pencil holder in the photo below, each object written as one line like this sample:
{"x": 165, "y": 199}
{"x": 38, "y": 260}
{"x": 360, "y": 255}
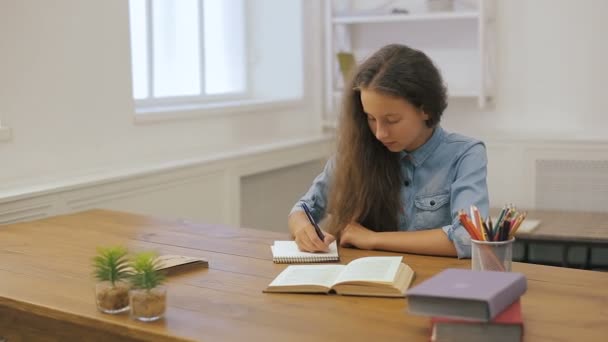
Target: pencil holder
{"x": 491, "y": 255}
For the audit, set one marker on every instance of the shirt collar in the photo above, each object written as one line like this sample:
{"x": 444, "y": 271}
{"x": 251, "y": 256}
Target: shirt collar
{"x": 419, "y": 155}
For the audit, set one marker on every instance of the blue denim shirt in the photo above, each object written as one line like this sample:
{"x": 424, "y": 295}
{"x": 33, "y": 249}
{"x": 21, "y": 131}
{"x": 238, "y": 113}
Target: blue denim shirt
{"x": 446, "y": 174}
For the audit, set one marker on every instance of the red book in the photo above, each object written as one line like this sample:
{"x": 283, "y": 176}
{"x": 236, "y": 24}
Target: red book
{"x": 507, "y": 326}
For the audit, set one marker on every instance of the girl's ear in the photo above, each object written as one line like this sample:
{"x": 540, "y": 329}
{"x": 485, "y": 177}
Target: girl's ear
{"x": 424, "y": 115}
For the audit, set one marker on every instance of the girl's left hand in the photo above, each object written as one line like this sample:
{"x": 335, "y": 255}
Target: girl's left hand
{"x": 356, "y": 235}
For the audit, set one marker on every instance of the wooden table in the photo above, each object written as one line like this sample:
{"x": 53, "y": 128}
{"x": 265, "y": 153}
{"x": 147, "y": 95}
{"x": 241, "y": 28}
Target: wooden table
{"x": 46, "y": 289}
{"x": 568, "y": 228}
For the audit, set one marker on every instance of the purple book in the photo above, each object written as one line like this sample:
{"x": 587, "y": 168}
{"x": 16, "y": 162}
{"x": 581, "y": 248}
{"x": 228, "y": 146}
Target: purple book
{"x": 466, "y": 294}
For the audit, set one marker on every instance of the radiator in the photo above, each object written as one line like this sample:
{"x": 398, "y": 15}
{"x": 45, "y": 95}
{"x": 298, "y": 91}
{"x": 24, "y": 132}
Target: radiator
{"x": 580, "y": 185}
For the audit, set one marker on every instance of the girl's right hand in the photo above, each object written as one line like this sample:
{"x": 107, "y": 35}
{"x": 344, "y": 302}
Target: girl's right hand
{"x": 305, "y": 236}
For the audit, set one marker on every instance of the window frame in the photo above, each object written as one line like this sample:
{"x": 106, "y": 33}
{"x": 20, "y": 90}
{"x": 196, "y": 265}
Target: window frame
{"x": 311, "y": 98}
{"x": 171, "y": 102}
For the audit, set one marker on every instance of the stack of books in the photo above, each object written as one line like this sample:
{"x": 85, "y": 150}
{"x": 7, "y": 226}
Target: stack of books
{"x": 467, "y": 305}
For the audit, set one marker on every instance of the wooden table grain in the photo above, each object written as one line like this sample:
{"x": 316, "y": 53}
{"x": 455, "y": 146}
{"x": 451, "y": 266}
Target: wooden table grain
{"x": 47, "y": 289}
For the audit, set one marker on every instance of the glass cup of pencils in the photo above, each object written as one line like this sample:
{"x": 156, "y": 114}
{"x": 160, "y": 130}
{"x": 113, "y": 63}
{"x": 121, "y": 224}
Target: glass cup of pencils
{"x": 491, "y": 255}
{"x": 492, "y": 244}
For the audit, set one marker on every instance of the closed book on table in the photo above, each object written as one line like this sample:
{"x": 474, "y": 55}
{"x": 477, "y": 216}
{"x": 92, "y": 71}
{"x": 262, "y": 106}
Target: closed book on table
{"x": 176, "y": 263}
{"x": 170, "y": 263}
{"x": 466, "y": 294}
{"x": 506, "y": 327}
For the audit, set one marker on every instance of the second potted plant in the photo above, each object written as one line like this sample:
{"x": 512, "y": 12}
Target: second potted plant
{"x": 148, "y": 297}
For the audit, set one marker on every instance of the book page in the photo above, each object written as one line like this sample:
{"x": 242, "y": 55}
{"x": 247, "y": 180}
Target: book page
{"x": 371, "y": 269}
{"x": 323, "y": 275}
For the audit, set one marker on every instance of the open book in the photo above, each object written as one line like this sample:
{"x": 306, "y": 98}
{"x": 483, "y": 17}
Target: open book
{"x": 368, "y": 276}
{"x": 287, "y": 252}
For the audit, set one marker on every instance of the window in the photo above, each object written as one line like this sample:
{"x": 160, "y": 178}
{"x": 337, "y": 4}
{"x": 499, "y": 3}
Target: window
{"x": 188, "y": 51}
{"x": 209, "y": 56}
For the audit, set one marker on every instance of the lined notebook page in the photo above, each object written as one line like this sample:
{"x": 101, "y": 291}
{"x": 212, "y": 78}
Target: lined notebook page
{"x": 287, "y": 252}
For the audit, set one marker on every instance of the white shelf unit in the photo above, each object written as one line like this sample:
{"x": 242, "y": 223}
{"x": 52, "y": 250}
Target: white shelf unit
{"x": 461, "y": 42}
{"x": 391, "y": 18}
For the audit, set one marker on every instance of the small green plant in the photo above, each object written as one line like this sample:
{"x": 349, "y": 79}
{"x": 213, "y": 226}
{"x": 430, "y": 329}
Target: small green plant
{"x": 111, "y": 264}
{"x": 147, "y": 274}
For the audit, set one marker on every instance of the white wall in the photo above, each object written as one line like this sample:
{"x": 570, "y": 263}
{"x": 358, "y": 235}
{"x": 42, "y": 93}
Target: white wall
{"x": 267, "y": 198}
{"x": 65, "y": 92}
{"x": 552, "y": 73}
{"x": 550, "y": 82}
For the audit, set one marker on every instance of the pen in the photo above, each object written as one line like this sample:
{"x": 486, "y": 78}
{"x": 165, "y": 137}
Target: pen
{"x": 312, "y": 221}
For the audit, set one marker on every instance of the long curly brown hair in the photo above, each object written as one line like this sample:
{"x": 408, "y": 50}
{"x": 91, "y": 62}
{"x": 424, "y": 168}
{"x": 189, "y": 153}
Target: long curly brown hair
{"x": 367, "y": 177}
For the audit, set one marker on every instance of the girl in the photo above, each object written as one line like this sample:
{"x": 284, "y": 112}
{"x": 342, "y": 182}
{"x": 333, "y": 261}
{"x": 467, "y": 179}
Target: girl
{"x": 398, "y": 179}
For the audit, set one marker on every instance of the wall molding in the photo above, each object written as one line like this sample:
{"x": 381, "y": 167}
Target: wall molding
{"x": 26, "y": 212}
{"x": 146, "y": 189}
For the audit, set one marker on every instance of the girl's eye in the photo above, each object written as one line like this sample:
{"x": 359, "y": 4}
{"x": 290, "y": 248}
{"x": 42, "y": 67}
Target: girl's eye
{"x": 392, "y": 122}
{"x": 371, "y": 118}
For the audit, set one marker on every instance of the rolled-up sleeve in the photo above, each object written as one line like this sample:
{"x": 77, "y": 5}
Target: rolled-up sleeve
{"x": 316, "y": 197}
{"x": 469, "y": 188}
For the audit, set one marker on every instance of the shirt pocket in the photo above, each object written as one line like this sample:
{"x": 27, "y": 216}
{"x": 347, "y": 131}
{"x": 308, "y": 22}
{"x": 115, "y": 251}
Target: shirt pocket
{"x": 432, "y": 211}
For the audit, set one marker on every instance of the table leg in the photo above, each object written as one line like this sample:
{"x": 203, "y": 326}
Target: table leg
{"x": 524, "y": 257}
{"x": 565, "y": 256}
{"x": 587, "y": 264}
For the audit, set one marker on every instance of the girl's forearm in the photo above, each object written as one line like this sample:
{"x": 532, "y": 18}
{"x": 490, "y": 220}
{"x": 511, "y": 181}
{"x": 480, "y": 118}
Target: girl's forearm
{"x": 429, "y": 242}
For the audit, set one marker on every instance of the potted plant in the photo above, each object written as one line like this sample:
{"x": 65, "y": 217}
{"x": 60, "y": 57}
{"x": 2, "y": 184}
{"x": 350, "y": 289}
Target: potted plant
{"x": 147, "y": 297}
{"x": 111, "y": 270}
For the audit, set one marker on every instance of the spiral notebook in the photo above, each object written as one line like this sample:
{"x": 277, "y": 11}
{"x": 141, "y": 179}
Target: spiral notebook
{"x": 287, "y": 252}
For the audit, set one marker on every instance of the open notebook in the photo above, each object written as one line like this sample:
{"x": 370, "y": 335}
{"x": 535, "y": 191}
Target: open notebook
{"x": 287, "y": 252}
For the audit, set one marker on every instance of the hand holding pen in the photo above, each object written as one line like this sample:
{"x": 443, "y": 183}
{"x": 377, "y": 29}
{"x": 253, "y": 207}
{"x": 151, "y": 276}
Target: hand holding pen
{"x": 312, "y": 221}
{"x": 310, "y": 240}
